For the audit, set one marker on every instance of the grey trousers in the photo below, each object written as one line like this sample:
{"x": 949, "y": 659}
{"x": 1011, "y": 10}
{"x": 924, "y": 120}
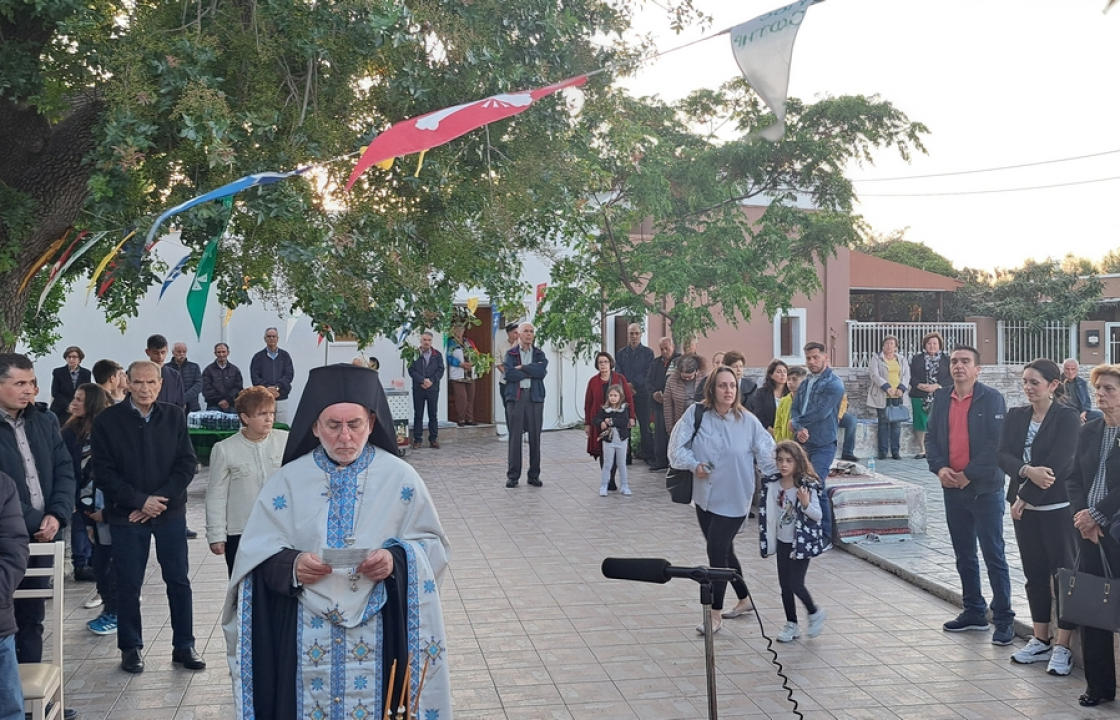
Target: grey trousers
{"x": 523, "y": 415}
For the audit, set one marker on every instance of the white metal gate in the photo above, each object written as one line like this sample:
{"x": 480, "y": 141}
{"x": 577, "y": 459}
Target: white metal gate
{"x": 1112, "y": 342}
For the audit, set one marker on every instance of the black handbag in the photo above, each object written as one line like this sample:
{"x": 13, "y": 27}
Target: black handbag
{"x": 679, "y": 482}
{"x": 896, "y": 413}
{"x": 1089, "y": 600}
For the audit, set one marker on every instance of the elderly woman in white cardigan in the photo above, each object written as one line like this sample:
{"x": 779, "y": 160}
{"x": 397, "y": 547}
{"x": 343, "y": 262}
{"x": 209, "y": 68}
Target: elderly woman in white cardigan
{"x": 890, "y": 380}
{"x": 239, "y": 467}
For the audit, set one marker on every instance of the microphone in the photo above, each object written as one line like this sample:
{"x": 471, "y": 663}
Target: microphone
{"x": 657, "y": 570}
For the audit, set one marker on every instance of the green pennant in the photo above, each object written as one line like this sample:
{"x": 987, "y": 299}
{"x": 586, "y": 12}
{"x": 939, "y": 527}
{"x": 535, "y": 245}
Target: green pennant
{"x": 204, "y": 275}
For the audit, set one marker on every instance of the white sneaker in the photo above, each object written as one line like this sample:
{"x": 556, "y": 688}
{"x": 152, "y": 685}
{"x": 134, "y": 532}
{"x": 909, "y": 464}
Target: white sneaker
{"x": 816, "y": 622}
{"x": 92, "y": 601}
{"x": 1034, "y": 651}
{"x": 626, "y": 491}
{"x": 1061, "y": 661}
{"x": 603, "y": 491}
{"x": 789, "y": 632}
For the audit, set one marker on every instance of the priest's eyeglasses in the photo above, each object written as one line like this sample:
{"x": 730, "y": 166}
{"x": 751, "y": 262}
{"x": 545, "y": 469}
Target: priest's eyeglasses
{"x": 335, "y": 427}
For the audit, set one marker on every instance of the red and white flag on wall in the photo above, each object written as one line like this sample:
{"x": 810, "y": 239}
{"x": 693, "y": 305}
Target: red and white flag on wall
{"x": 442, "y": 126}
{"x": 763, "y": 48}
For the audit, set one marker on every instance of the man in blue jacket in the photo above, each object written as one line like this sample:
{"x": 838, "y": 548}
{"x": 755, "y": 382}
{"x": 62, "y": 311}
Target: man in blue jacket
{"x": 961, "y": 444}
{"x": 33, "y": 454}
{"x": 426, "y": 371}
{"x": 526, "y": 366}
{"x": 815, "y": 416}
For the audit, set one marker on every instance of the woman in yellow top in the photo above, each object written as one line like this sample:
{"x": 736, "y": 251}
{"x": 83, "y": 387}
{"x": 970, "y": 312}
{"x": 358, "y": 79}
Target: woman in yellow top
{"x": 782, "y": 430}
{"x": 890, "y": 379}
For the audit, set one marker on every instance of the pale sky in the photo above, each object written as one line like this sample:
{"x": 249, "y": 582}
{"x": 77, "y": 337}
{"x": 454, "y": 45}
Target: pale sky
{"x": 998, "y": 82}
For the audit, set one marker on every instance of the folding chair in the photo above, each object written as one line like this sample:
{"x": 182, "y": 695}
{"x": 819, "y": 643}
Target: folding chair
{"x": 42, "y": 682}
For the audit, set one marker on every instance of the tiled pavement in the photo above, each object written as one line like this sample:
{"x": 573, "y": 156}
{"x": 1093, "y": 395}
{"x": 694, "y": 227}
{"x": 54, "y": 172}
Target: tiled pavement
{"x": 535, "y": 631}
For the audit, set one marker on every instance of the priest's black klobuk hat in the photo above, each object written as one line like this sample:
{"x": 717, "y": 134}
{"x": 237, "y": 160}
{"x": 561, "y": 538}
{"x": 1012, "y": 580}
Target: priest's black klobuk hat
{"x": 333, "y": 384}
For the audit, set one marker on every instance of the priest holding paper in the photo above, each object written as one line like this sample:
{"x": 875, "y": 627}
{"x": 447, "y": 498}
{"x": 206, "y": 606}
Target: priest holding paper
{"x": 334, "y": 601}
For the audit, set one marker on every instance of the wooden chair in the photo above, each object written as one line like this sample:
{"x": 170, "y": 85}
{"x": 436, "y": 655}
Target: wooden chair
{"x": 42, "y": 682}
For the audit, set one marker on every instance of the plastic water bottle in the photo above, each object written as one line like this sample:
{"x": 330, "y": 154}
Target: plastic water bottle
{"x": 871, "y": 464}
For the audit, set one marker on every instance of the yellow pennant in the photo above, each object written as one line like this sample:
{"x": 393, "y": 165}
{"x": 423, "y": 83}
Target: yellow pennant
{"x": 472, "y": 305}
{"x": 105, "y": 261}
{"x": 38, "y": 265}
{"x": 228, "y": 317}
{"x": 385, "y": 164}
{"x": 420, "y": 163}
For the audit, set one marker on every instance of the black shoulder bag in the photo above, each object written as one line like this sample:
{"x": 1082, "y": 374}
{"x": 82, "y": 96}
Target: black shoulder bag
{"x": 679, "y": 482}
{"x": 1088, "y": 599}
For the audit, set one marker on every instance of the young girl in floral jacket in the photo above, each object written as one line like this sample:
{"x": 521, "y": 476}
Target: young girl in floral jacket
{"x": 789, "y": 526}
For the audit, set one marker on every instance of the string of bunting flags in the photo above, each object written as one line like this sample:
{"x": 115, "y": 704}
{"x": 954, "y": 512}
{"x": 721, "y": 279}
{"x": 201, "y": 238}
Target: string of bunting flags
{"x": 762, "y": 47}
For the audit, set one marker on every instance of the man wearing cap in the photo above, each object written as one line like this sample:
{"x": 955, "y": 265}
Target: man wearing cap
{"x": 314, "y": 629}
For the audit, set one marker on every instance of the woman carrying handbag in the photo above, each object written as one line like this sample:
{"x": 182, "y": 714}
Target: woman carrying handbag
{"x": 1094, "y": 493}
{"x": 890, "y": 379}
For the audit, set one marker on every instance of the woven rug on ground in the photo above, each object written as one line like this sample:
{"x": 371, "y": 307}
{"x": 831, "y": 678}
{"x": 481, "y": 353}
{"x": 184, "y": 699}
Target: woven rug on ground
{"x": 869, "y": 509}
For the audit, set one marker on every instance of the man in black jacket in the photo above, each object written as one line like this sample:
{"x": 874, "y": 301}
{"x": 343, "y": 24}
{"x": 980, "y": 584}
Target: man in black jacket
{"x": 961, "y": 449}
{"x": 272, "y": 367}
{"x": 172, "y": 384}
{"x": 33, "y": 454}
{"x": 142, "y": 462}
{"x": 426, "y": 371}
{"x": 221, "y": 381}
{"x": 659, "y": 370}
{"x": 190, "y": 374}
{"x": 13, "y": 563}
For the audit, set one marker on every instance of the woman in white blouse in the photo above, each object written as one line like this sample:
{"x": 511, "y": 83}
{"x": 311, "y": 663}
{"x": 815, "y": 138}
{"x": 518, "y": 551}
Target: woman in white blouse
{"x": 239, "y": 467}
{"x": 722, "y": 457}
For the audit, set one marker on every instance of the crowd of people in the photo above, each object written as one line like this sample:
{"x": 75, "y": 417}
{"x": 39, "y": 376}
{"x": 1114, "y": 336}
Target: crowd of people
{"x": 111, "y": 457}
{"x": 1058, "y": 451}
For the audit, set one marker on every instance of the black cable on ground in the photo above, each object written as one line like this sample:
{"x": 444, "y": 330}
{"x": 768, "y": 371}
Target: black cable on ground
{"x": 780, "y": 671}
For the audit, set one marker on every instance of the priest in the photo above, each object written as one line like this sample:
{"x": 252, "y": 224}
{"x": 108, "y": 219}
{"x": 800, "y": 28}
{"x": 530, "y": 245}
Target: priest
{"x": 334, "y": 605}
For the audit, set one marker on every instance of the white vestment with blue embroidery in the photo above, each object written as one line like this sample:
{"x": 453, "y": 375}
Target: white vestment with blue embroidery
{"x": 310, "y": 503}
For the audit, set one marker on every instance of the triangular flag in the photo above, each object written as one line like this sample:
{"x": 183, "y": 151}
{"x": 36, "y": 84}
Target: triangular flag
{"x": 228, "y": 317}
{"x": 173, "y": 275}
{"x": 56, "y": 276}
{"x": 225, "y": 191}
{"x": 105, "y": 261}
{"x": 763, "y": 47}
{"x": 442, "y": 126}
{"x": 200, "y": 287}
{"x": 42, "y": 260}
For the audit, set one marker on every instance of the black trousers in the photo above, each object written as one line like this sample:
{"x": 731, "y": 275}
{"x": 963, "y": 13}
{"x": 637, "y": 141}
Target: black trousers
{"x": 1096, "y": 644}
{"x": 641, "y": 411}
{"x": 422, "y": 399}
{"x": 791, "y": 579}
{"x": 524, "y": 416}
{"x": 232, "y": 541}
{"x": 30, "y": 613}
{"x": 660, "y": 437}
{"x": 719, "y": 533}
{"x": 1046, "y": 542}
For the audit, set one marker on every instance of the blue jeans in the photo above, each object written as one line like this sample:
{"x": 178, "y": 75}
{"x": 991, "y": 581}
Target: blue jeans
{"x": 848, "y": 425}
{"x": 889, "y": 434}
{"x": 81, "y": 550}
{"x": 820, "y": 457}
{"x": 131, "y": 545}
{"x": 11, "y": 693}
{"x": 973, "y": 518}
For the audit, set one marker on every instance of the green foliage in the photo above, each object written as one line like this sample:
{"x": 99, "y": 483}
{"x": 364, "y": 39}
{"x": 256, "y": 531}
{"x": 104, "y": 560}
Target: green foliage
{"x": 194, "y": 95}
{"x": 1036, "y": 293}
{"x": 1110, "y": 263}
{"x": 668, "y": 232}
{"x": 896, "y": 248}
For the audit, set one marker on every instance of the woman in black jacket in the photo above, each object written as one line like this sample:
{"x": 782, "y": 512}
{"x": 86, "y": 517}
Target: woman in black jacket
{"x": 1094, "y": 494}
{"x": 929, "y": 370}
{"x": 764, "y": 401}
{"x": 66, "y": 379}
{"x": 1036, "y": 451}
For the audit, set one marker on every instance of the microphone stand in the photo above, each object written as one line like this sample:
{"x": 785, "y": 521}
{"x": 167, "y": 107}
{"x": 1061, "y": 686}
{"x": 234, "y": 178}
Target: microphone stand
{"x": 709, "y": 648}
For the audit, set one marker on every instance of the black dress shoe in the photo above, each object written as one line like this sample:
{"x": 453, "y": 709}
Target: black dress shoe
{"x": 1087, "y": 700}
{"x": 84, "y": 574}
{"x": 511, "y": 483}
{"x": 535, "y": 482}
{"x": 191, "y": 534}
{"x": 189, "y": 658}
{"x": 895, "y": 456}
{"x": 849, "y": 458}
{"x": 131, "y": 661}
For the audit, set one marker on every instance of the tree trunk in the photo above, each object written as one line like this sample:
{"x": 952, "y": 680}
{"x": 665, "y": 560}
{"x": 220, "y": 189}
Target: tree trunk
{"x": 45, "y": 164}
